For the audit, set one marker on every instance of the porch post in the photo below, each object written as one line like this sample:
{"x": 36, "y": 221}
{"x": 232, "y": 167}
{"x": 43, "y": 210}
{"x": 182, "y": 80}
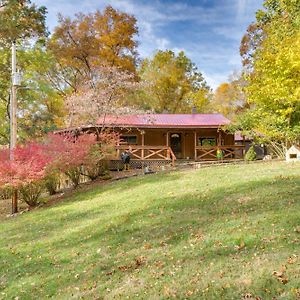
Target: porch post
{"x": 244, "y": 148}
{"x": 167, "y": 137}
{"x": 118, "y": 150}
{"x": 195, "y": 137}
{"x": 143, "y": 144}
{"x": 219, "y": 138}
{"x": 167, "y": 143}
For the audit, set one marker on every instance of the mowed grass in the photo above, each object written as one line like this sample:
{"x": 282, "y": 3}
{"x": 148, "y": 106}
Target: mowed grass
{"x": 212, "y": 233}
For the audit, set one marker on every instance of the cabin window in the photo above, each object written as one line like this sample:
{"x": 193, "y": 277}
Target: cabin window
{"x": 128, "y": 139}
{"x": 293, "y": 156}
{"x": 207, "y": 141}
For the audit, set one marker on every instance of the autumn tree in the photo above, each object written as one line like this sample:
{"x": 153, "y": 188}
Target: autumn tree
{"x": 26, "y": 172}
{"x": 105, "y": 94}
{"x": 229, "y": 98}
{"x": 173, "y": 84}
{"x": 92, "y": 40}
{"x": 273, "y": 79}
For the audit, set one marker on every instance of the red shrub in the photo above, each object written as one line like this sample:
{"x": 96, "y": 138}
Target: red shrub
{"x": 29, "y": 165}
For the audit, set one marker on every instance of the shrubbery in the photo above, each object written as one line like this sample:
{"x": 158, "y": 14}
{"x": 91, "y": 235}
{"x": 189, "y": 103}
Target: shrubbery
{"x": 251, "y": 154}
{"x": 37, "y": 167}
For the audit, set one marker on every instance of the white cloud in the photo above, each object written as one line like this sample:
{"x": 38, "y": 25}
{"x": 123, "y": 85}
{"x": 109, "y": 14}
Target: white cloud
{"x": 211, "y": 37}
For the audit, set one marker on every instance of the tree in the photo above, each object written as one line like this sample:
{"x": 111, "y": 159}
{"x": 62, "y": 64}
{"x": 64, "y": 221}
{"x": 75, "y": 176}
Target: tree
{"x": 229, "y": 98}
{"x": 90, "y": 41}
{"x": 40, "y": 106}
{"x": 77, "y": 156}
{"x": 21, "y": 20}
{"x": 173, "y": 84}
{"x": 273, "y": 79}
{"x": 106, "y": 94}
{"x": 26, "y": 172}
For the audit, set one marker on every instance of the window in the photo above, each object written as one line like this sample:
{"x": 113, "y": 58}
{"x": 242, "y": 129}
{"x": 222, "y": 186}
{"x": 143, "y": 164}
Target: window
{"x": 292, "y": 156}
{"x": 129, "y": 139}
{"x": 207, "y": 142}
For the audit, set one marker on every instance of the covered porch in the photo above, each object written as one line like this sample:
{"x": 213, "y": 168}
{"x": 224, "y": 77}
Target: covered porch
{"x": 199, "y": 144}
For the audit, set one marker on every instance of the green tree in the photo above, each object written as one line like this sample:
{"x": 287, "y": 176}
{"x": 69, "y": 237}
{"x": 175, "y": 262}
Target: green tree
{"x": 274, "y": 75}
{"x": 39, "y": 105}
{"x": 173, "y": 84}
{"x": 21, "y": 20}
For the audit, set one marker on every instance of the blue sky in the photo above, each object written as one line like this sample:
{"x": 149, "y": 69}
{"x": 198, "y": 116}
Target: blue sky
{"x": 209, "y": 31}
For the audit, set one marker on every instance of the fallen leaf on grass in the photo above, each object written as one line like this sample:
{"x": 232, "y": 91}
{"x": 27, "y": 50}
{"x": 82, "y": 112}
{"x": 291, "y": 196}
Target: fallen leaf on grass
{"x": 297, "y": 229}
{"x": 249, "y": 296}
{"x": 280, "y": 275}
{"x": 124, "y": 268}
{"x": 147, "y": 246}
{"x": 292, "y": 259}
{"x": 189, "y": 293}
{"x": 241, "y": 246}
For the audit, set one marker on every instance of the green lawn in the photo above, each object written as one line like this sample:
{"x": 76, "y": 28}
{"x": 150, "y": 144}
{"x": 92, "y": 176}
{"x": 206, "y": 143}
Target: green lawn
{"x": 213, "y": 233}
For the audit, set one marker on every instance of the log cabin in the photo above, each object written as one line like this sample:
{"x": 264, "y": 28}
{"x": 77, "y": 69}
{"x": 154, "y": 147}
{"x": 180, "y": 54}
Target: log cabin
{"x": 166, "y": 138}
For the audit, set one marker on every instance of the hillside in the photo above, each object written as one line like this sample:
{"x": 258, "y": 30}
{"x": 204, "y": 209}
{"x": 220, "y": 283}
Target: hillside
{"x": 226, "y": 232}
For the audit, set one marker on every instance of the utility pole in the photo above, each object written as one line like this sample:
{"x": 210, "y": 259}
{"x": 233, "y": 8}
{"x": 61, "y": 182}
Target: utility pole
{"x": 13, "y": 117}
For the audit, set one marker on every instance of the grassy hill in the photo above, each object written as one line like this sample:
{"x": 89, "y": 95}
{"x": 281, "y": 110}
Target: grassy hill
{"x": 226, "y": 232}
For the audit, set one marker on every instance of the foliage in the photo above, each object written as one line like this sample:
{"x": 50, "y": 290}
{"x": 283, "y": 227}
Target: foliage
{"x": 220, "y": 237}
{"x": 104, "y": 95}
{"x": 30, "y": 193}
{"x": 229, "y": 98}
{"x": 29, "y": 165}
{"x": 21, "y": 20}
{"x": 40, "y": 105}
{"x": 274, "y": 74}
{"x": 5, "y": 193}
{"x": 75, "y": 155}
{"x": 26, "y": 172}
{"x": 89, "y": 41}
{"x": 251, "y": 154}
{"x": 52, "y": 182}
{"x": 173, "y": 84}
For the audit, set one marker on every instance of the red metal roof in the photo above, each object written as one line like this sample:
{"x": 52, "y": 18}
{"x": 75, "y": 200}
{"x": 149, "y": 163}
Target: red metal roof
{"x": 165, "y": 120}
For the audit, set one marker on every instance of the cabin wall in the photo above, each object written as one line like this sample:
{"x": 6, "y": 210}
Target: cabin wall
{"x": 155, "y": 137}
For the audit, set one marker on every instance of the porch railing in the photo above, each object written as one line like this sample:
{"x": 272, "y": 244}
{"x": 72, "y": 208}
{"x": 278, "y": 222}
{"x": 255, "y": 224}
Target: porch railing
{"x": 228, "y": 152}
{"x": 148, "y": 152}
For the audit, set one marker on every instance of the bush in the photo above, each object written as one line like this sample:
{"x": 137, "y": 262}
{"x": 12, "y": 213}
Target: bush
{"x": 74, "y": 174}
{"x": 52, "y": 183}
{"x": 31, "y": 193}
{"x": 106, "y": 176}
{"x": 251, "y": 154}
{"x": 5, "y": 193}
{"x": 94, "y": 171}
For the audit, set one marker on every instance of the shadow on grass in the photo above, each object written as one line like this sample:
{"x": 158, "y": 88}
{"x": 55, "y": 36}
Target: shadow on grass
{"x": 167, "y": 222}
{"x": 192, "y": 209}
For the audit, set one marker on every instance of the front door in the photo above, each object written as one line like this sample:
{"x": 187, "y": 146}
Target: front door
{"x": 176, "y": 144}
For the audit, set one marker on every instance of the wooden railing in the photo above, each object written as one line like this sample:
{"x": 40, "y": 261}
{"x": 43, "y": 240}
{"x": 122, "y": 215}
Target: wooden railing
{"x": 148, "y": 152}
{"x": 228, "y": 152}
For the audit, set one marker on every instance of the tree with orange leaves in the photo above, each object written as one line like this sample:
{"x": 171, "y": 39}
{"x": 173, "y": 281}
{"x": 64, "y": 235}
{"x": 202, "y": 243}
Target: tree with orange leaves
{"x": 93, "y": 40}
